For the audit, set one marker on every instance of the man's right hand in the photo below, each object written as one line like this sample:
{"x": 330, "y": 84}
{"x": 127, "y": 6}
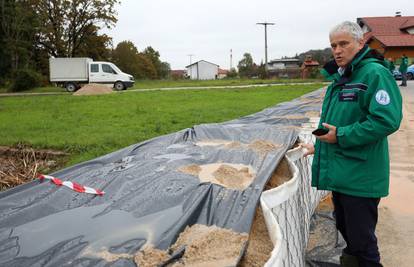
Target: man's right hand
{"x": 309, "y": 149}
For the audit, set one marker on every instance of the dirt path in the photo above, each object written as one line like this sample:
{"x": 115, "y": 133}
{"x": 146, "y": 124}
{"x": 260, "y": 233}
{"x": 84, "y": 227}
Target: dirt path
{"x": 395, "y": 228}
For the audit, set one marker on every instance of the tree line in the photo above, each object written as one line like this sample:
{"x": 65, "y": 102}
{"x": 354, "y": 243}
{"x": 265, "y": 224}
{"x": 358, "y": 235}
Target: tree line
{"x": 32, "y": 31}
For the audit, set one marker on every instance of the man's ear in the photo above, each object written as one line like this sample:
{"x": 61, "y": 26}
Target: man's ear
{"x": 361, "y": 43}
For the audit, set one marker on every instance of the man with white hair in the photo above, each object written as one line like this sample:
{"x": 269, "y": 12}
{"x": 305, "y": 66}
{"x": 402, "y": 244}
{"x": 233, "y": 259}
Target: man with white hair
{"x": 362, "y": 106}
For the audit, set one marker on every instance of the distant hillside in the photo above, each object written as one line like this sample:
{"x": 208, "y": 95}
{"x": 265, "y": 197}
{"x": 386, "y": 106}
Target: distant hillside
{"x": 320, "y": 55}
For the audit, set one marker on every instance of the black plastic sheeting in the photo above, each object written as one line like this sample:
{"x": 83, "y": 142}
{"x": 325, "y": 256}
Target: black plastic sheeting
{"x": 147, "y": 200}
{"x": 330, "y": 243}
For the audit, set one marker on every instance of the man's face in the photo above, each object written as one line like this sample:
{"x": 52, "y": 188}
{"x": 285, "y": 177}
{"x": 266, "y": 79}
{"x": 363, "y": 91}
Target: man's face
{"x": 344, "y": 47}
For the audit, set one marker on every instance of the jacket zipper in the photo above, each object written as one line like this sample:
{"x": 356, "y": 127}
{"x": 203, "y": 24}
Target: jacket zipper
{"x": 320, "y": 146}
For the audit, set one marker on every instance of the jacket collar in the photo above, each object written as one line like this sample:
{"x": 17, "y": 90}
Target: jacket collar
{"x": 330, "y": 70}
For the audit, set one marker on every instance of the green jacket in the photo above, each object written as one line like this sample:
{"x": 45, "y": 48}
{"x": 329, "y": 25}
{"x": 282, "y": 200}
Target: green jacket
{"x": 389, "y": 65}
{"x": 365, "y": 106}
{"x": 404, "y": 64}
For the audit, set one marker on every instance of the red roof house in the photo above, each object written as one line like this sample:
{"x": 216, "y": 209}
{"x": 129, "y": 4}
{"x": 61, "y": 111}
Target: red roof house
{"x": 392, "y": 36}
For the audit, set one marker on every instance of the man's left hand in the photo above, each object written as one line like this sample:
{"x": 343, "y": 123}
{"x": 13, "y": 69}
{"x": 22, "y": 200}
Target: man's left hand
{"x": 330, "y": 137}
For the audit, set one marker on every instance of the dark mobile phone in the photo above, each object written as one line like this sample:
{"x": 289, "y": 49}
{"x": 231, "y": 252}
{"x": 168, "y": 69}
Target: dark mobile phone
{"x": 320, "y": 131}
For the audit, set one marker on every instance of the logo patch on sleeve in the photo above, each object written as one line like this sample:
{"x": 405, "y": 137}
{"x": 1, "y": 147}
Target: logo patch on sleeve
{"x": 382, "y": 97}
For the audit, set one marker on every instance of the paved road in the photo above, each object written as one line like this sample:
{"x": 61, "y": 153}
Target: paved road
{"x": 396, "y": 217}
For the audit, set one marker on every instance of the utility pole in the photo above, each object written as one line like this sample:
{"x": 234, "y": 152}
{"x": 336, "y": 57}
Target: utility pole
{"x": 265, "y": 27}
{"x": 231, "y": 59}
{"x": 190, "y": 55}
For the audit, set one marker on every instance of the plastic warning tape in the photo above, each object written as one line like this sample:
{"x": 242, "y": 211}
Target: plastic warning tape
{"x": 74, "y": 186}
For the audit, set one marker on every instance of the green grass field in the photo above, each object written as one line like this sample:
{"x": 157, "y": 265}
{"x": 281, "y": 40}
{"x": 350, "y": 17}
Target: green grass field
{"x": 150, "y": 84}
{"x": 90, "y": 126}
{"x": 225, "y": 82}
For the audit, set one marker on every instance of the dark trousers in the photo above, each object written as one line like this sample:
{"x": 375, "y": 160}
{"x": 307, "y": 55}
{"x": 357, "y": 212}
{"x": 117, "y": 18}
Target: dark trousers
{"x": 356, "y": 219}
{"x": 404, "y": 78}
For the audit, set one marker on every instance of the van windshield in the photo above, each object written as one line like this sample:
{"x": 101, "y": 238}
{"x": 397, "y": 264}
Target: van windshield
{"x": 116, "y": 68}
{"x": 108, "y": 69}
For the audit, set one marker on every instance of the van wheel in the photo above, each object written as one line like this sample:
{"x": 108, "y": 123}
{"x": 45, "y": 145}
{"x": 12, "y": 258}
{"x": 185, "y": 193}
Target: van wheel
{"x": 410, "y": 76}
{"x": 119, "y": 86}
{"x": 71, "y": 87}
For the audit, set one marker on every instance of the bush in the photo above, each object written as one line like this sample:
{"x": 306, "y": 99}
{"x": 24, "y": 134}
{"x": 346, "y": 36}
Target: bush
{"x": 26, "y": 79}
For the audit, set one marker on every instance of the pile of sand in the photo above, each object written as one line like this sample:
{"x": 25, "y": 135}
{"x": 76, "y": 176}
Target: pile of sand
{"x": 213, "y": 142}
{"x": 263, "y": 147}
{"x": 150, "y": 257}
{"x": 105, "y": 255}
{"x": 310, "y": 114}
{"x": 234, "y": 144}
{"x": 290, "y": 117}
{"x": 260, "y": 246}
{"x": 192, "y": 169}
{"x": 213, "y": 246}
{"x": 204, "y": 246}
{"x": 281, "y": 175}
{"x": 209, "y": 246}
{"x": 234, "y": 176}
{"x": 93, "y": 89}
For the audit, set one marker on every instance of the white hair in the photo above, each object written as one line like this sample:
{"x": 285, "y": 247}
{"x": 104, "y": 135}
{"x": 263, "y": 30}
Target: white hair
{"x": 349, "y": 27}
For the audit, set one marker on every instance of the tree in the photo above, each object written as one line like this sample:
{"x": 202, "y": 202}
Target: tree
{"x": 17, "y": 31}
{"x": 162, "y": 68}
{"x": 232, "y": 73}
{"x": 261, "y": 71}
{"x": 95, "y": 46}
{"x": 127, "y": 57}
{"x": 165, "y": 70}
{"x": 66, "y": 24}
{"x": 246, "y": 66}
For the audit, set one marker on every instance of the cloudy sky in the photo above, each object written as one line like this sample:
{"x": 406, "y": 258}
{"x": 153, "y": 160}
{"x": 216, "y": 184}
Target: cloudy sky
{"x": 209, "y": 29}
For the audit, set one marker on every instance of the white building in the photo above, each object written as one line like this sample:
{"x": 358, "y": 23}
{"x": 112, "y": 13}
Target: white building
{"x": 202, "y": 70}
{"x": 281, "y": 64}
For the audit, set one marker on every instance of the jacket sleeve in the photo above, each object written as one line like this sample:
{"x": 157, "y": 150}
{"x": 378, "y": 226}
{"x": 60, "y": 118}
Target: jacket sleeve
{"x": 384, "y": 113}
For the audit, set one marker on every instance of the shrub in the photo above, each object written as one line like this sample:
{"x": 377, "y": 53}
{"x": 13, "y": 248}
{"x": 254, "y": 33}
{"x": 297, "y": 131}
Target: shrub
{"x": 25, "y": 79}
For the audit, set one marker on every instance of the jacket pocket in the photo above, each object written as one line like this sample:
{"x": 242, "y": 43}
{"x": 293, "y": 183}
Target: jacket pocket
{"x": 358, "y": 154}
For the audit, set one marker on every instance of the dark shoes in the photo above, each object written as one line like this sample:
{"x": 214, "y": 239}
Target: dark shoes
{"x": 347, "y": 260}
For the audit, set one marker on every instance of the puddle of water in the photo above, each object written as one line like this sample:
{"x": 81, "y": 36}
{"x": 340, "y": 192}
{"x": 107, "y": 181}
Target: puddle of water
{"x": 102, "y": 231}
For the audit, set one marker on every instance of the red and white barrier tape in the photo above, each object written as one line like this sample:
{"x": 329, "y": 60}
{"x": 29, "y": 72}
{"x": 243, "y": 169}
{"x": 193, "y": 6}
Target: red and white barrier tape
{"x": 74, "y": 186}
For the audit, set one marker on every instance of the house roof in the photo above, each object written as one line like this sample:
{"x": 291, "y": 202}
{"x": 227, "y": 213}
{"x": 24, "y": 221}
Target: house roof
{"x": 408, "y": 24}
{"x": 199, "y": 62}
{"x": 178, "y": 72}
{"x": 390, "y": 31}
{"x": 222, "y": 71}
{"x": 284, "y": 60}
{"x": 311, "y": 63}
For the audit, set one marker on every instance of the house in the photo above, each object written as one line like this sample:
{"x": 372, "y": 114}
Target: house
{"x": 309, "y": 68}
{"x": 284, "y": 68}
{"x": 391, "y": 36}
{"x": 286, "y": 63}
{"x": 222, "y": 73}
{"x": 178, "y": 74}
{"x": 202, "y": 70}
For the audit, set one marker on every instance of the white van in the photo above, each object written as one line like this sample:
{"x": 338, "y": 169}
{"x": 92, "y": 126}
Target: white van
{"x": 72, "y": 72}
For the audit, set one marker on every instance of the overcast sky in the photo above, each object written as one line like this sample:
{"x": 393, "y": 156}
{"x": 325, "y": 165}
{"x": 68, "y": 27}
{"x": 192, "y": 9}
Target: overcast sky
{"x": 209, "y": 29}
